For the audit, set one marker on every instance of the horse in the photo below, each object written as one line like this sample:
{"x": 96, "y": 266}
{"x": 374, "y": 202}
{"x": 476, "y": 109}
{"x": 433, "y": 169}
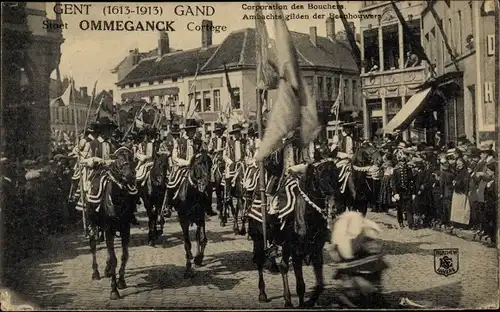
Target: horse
{"x": 192, "y": 198}
{"x": 304, "y": 228}
{"x": 110, "y": 205}
{"x": 233, "y": 186}
{"x": 355, "y": 189}
{"x": 152, "y": 187}
{"x": 217, "y": 172}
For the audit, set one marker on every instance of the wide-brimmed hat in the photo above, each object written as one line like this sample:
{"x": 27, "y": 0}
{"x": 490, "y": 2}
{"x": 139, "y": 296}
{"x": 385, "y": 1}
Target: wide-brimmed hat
{"x": 236, "y": 128}
{"x": 219, "y": 127}
{"x": 190, "y": 124}
{"x": 105, "y": 123}
{"x": 175, "y": 129}
{"x": 486, "y": 146}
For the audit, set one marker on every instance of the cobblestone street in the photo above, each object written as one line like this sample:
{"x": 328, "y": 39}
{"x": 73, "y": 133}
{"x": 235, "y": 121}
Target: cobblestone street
{"x": 61, "y": 277}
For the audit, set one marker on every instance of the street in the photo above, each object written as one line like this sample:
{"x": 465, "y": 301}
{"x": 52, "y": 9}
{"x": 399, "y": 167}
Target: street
{"x": 61, "y": 277}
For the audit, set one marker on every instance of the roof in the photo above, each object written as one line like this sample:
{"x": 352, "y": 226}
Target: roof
{"x": 238, "y": 51}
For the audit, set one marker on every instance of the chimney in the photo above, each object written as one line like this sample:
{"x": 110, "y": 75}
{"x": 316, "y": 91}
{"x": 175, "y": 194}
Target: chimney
{"x": 83, "y": 92}
{"x": 163, "y": 44}
{"x": 206, "y": 33}
{"x": 330, "y": 28}
{"x": 353, "y": 28}
{"x": 313, "y": 36}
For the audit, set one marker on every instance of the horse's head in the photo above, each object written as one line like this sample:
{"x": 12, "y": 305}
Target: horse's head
{"x": 123, "y": 166}
{"x": 200, "y": 171}
{"x": 159, "y": 169}
{"x": 366, "y": 155}
{"x": 321, "y": 178}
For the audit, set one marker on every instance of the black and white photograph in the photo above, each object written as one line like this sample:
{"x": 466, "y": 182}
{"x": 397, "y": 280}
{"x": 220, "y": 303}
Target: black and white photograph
{"x": 249, "y": 155}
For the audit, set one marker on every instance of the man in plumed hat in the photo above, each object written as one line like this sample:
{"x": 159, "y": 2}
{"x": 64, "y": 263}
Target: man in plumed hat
{"x": 216, "y": 148}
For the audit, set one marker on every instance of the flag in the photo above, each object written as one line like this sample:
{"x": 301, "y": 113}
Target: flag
{"x": 340, "y": 96}
{"x": 351, "y": 37}
{"x": 267, "y": 72}
{"x": 229, "y": 88}
{"x": 294, "y": 108}
{"x": 67, "y": 96}
{"x": 414, "y": 42}
{"x": 192, "y": 93}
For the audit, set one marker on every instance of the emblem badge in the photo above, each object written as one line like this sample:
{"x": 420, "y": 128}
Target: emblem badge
{"x": 446, "y": 261}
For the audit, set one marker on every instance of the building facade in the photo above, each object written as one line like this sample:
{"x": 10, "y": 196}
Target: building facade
{"x": 470, "y": 33}
{"x": 168, "y": 78}
{"x": 29, "y": 55}
{"x": 388, "y": 79}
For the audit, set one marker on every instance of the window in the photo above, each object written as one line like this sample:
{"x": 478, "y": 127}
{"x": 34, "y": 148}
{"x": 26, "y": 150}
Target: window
{"x": 207, "y": 101}
{"x": 309, "y": 81}
{"x": 216, "y": 100}
{"x": 471, "y": 12}
{"x": 236, "y": 99}
{"x": 320, "y": 88}
{"x": 353, "y": 92}
{"x": 451, "y": 34}
{"x": 151, "y": 83}
{"x": 197, "y": 102}
{"x": 336, "y": 84}
{"x": 137, "y": 84}
{"x": 130, "y": 85}
{"x": 371, "y": 49}
{"x": 346, "y": 90}
{"x": 160, "y": 81}
{"x": 329, "y": 88}
{"x": 174, "y": 79}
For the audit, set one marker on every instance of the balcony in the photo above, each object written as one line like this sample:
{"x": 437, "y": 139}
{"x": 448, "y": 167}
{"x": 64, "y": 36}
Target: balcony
{"x": 389, "y": 83}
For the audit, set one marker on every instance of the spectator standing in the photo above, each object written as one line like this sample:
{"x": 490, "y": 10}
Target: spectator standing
{"x": 446, "y": 177}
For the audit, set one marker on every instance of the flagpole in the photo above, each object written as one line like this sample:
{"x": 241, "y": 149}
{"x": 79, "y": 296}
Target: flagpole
{"x": 82, "y": 191}
{"x": 133, "y": 123}
{"x": 262, "y": 177}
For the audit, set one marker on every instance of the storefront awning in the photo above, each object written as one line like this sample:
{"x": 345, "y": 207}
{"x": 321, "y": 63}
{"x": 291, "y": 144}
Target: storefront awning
{"x": 408, "y": 112}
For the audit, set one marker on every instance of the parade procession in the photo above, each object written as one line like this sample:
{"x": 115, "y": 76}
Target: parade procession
{"x": 274, "y": 152}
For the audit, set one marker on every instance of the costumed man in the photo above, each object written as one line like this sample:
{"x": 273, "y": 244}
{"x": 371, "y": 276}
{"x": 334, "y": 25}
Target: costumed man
{"x": 182, "y": 154}
{"x": 234, "y": 158}
{"x": 404, "y": 192}
{"x": 346, "y": 141}
{"x": 81, "y": 152}
{"x": 216, "y": 148}
{"x": 145, "y": 154}
{"x": 170, "y": 141}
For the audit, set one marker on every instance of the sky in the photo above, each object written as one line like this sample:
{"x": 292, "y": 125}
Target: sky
{"x": 90, "y": 55}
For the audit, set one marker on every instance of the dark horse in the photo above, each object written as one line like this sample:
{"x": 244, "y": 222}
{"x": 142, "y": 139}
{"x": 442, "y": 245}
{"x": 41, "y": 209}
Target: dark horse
{"x": 192, "y": 198}
{"x": 110, "y": 206}
{"x": 305, "y": 230}
{"x": 152, "y": 190}
{"x": 355, "y": 188}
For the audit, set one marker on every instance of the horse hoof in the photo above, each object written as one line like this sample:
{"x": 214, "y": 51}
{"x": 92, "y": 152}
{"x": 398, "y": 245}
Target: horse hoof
{"x": 115, "y": 295}
{"x": 198, "y": 260}
{"x": 121, "y": 283}
{"x": 96, "y": 276}
{"x": 263, "y": 298}
{"x": 243, "y": 232}
{"x": 151, "y": 243}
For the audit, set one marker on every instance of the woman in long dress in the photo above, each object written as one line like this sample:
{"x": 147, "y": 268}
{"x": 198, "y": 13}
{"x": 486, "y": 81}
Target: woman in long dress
{"x": 460, "y": 207}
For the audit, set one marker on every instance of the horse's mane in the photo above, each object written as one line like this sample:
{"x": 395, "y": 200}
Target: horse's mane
{"x": 321, "y": 176}
{"x": 200, "y": 165}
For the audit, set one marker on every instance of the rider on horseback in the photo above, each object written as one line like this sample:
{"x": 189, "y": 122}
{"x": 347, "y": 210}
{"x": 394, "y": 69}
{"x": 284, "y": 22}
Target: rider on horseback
{"x": 216, "y": 148}
{"x": 167, "y": 147}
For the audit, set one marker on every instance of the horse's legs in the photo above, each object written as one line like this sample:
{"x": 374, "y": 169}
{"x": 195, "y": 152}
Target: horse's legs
{"x": 201, "y": 238}
{"x": 284, "y": 267}
{"x": 299, "y": 277}
{"x": 259, "y": 258}
{"x": 240, "y": 207}
{"x": 317, "y": 263}
{"x": 187, "y": 248}
{"x": 112, "y": 261}
{"x": 125, "y": 236}
{"x": 148, "y": 204}
{"x": 93, "y": 250}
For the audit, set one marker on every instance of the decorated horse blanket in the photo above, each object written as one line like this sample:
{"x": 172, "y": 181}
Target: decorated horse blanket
{"x": 143, "y": 172}
{"x": 233, "y": 171}
{"x": 99, "y": 192}
{"x": 178, "y": 181}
